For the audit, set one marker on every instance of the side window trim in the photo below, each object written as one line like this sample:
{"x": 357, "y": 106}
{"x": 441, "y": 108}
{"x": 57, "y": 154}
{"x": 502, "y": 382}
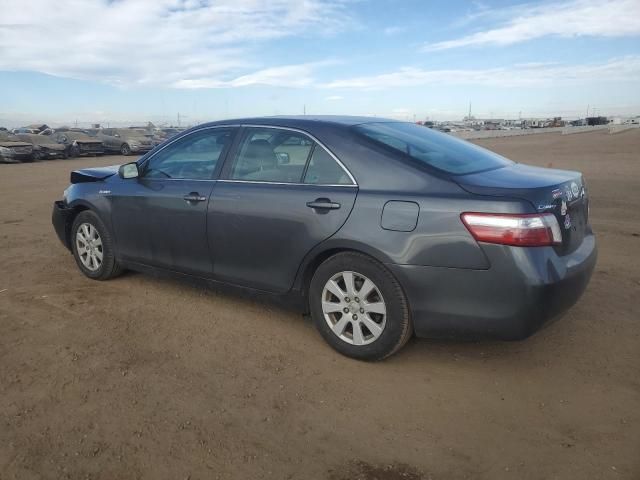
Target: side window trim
{"x": 306, "y": 165}
{"x": 234, "y": 151}
{"x": 222, "y": 161}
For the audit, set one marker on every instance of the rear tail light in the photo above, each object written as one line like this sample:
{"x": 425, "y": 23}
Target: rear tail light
{"x": 528, "y": 230}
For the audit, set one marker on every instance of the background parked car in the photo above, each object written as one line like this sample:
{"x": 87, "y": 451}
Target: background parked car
{"x": 78, "y": 142}
{"x": 44, "y": 147}
{"x": 14, "y": 150}
{"x": 124, "y": 140}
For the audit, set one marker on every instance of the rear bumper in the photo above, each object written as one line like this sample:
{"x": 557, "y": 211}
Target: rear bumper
{"x": 523, "y": 290}
{"x": 60, "y": 219}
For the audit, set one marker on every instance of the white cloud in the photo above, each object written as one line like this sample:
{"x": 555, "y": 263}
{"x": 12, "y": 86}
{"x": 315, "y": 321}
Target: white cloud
{"x": 393, "y": 30}
{"x": 604, "y": 18}
{"x": 180, "y": 43}
{"x": 524, "y": 75}
{"x": 282, "y": 76}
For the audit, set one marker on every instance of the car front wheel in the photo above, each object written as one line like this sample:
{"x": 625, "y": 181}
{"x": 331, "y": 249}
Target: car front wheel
{"x": 93, "y": 248}
{"x": 359, "y": 307}
{"x": 125, "y": 149}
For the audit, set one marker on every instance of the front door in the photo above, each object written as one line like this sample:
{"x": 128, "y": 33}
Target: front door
{"x": 281, "y": 195}
{"x": 160, "y": 218}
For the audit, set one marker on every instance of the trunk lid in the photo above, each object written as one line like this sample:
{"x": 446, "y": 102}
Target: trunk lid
{"x": 561, "y": 192}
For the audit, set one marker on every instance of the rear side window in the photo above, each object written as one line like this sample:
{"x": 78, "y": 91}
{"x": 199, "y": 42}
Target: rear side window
{"x": 323, "y": 169}
{"x": 434, "y": 149}
{"x": 271, "y": 155}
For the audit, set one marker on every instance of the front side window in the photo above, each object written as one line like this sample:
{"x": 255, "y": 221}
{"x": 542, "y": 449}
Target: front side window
{"x": 271, "y": 155}
{"x": 193, "y": 157}
{"x": 436, "y": 150}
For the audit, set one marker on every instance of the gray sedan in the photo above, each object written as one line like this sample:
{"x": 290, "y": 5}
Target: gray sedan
{"x": 377, "y": 228}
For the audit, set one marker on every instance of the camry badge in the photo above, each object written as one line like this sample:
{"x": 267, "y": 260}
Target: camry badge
{"x": 574, "y": 189}
{"x": 569, "y": 194}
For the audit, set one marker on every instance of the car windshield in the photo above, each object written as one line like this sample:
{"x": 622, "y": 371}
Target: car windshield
{"x": 434, "y": 149}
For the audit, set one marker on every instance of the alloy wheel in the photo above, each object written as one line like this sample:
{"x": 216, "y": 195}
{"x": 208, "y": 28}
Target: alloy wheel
{"x": 89, "y": 246}
{"x": 354, "y": 308}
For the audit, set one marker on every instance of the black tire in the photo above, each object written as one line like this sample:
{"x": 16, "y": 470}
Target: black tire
{"x": 398, "y": 327}
{"x": 109, "y": 268}
{"x": 125, "y": 149}
{"x": 74, "y": 151}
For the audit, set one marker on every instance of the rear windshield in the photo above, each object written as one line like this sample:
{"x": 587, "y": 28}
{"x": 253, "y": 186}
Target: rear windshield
{"x": 434, "y": 149}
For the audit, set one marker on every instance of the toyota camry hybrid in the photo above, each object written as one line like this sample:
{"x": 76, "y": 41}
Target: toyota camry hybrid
{"x": 379, "y": 229}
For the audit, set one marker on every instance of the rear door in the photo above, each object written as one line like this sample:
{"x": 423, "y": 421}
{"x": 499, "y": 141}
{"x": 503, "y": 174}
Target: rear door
{"x": 280, "y": 194}
{"x": 160, "y": 218}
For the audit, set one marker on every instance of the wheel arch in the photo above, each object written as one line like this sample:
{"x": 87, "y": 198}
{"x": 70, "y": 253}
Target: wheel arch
{"x": 74, "y": 211}
{"x": 317, "y": 256}
{"x": 76, "y": 207}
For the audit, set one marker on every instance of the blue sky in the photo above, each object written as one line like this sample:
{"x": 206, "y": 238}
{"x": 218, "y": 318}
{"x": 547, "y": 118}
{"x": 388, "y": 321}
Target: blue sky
{"x": 124, "y": 61}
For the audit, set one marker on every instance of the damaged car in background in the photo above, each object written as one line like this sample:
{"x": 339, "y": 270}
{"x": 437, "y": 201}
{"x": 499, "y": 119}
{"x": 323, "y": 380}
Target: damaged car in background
{"x": 125, "y": 140}
{"x": 77, "y": 142}
{"x": 14, "y": 150}
{"x": 44, "y": 147}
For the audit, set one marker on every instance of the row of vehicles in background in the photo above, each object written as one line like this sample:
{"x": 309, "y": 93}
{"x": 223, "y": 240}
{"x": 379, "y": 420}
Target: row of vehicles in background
{"x": 29, "y": 144}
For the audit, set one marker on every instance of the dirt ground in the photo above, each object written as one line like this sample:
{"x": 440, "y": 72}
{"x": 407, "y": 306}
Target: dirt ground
{"x": 142, "y": 377}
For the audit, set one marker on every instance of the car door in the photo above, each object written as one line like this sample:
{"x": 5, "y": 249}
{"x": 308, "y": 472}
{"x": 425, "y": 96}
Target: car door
{"x": 105, "y": 137}
{"x": 160, "y": 218}
{"x": 281, "y": 194}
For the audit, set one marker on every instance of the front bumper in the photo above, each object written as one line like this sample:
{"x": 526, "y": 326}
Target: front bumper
{"x": 141, "y": 148}
{"x": 523, "y": 289}
{"x": 15, "y": 157}
{"x": 60, "y": 217}
{"x": 52, "y": 153}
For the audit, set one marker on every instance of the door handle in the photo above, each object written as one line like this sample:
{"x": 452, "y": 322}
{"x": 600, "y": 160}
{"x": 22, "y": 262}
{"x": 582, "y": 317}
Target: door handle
{"x": 323, "y": 204}
{"x": 194, "y": 197}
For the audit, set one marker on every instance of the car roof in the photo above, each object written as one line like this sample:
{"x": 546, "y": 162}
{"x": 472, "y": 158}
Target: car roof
{"x": 301, "y": 121}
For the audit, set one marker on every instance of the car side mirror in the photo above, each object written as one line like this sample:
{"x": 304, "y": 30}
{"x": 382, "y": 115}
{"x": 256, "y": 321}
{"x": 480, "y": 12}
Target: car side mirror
{"x": 129, "y": 170}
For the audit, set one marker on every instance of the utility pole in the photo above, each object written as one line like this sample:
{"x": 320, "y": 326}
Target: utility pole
{"x": 469, "y": 116}
{"x": 304, "y": 109}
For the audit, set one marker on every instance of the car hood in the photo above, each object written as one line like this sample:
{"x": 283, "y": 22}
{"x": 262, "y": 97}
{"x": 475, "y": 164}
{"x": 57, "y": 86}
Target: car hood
{"x": 50, "y": 146}
{"x": 93, "y": 174}
{"x": 14, "y": 144}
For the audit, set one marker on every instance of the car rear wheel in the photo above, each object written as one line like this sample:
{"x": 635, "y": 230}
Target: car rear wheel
{"x": 74, "y": 151}
{"x": 125, "y": 149}
{"x": 359, "y": 307}
{"x": 93, "y": 248}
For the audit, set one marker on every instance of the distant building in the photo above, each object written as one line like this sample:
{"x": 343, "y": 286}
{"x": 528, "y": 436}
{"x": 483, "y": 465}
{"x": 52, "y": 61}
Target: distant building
{"x": 596, "y": 120}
